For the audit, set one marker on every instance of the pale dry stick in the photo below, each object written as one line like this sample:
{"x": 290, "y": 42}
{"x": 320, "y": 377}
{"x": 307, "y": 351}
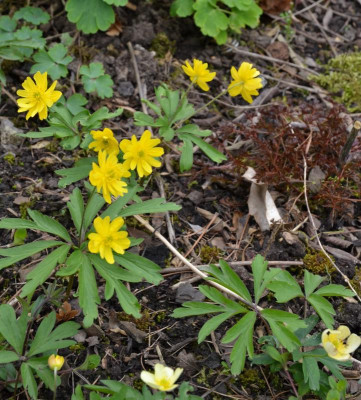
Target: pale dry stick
{"x": 11, "y": 97}
{"x": 292, "y": 84}
{"x": 345, "y": 278}
{"x": 139, "y": 82}
{"x": 204, "y": 231}
{"x": 171, "y": 232}
{"x": 269, "y": 58}
{"x": 349, "y": 142}
{"x": 318, "y": 3}
{"x": 254, "y": 306}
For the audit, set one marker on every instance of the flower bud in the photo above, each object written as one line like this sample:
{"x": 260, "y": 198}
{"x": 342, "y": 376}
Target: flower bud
{"x": 55, "y": 362}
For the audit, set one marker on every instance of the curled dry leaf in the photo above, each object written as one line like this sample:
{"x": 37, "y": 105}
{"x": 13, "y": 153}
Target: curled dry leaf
{"x": 66, "y": 313}
{"x": 275, "y": 6}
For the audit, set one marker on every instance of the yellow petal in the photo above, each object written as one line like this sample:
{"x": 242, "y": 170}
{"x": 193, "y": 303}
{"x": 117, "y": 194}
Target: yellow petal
{"x": 344, "y": 332}
{"x": 353, "y": 342}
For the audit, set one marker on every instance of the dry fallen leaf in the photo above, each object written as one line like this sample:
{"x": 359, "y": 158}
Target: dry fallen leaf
{"x": 115, "y": 29}
{"x": 275, "y": 6}
{"x": 66, "y": 313}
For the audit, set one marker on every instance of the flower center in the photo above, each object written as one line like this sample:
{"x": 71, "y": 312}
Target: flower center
{"x": 164, "y": 383}
{"x": 108, "y": 240}
{"x": 140, "y": 153}
{"x": 105, "y": 141}
{"x": 37, "y": 96}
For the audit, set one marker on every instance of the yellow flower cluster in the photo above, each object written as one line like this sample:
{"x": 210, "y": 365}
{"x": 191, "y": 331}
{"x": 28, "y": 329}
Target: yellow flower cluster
{"x": 244, "y": 83}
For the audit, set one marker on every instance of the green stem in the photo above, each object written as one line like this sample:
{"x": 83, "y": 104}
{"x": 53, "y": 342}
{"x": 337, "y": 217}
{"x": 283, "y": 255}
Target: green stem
{"x": 54, "y": 393}
{"x": 210, "y": 102}
{"x": 81, "y": 233}
{"x": 69, "y": 287}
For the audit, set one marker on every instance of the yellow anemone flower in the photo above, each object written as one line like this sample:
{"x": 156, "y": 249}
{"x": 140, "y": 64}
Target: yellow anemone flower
{"x": 199, "y": 73}
{"x": 108, "y": 238}
{"x": 104, "y": 140}
{"x": 336, "y": 345}
{"x": 55, "y": 362}
{"x": 245, "y": 82}
{"x": 36, "y": 96}
{"x": 141, "y": 154}
{"x": 163, "y": 378}
{"x": 107, "y": 176}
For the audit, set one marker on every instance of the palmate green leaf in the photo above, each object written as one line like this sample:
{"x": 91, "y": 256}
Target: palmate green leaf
{"x": 34, "y": 15}
{"x": 54, "y": 61}
{"x": 12, "y": 329}
{"x": 149, "y": 206}
{"x": 207, "y": 149}
{"x": 323, "y": 308}
{"x": 76, "y": 208}
{"x": 75, "y": 103}
{"x": 18, "y": 253}
{"x": 88, "y": 291}
{"x": 186, "y": 159}
{"x": 8, "y": 357}
{"x": 90, "y": 16}
{"x": 182, "y": 8}
{"x": 95, "y": 80}
{"x": 250, "y": 17}
{"x": 47, "y": 339}
{"x": 127, "y": 300}
{"x": 311, "y": 282}
{"x": 29, "y": 381}
{"x": 209, "y": 19}
{"x": 284, "y": 285}
{"x": 44, "y": 269}
{"x": 169, "y": 101}
{"x": 140, "y": 266}
{"x": 95, "y": 120}
{"x": 47, "y": 224}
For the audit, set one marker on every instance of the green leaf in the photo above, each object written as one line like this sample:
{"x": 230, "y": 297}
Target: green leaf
{"x": 76, "y": 208}
{"x": 29, "y": 381}
{"x": 190, "y": 308}
{"x": 142, "y": 119}
{"x": 186, "y": 159}
{"x": 17, "y": 223}
{"x": 141, "y": 266}
{"x": 71, "y": 175}
{"x": 221, "y": 37}
{"x": 116, "y": 207}
{"x": 182, "y": 8}
{"x": 91, "y": 362}
{"x": 335, "y": 290}
{"x": 40, "y": 365}
{"x": 127, "y": 300}
{"x": 323, "y": 308}
{"x": 54, "y": 61}
{"x": 207, "y": 149}
{"x": 34, "y": 15}
{"x": 72, "y": 264}
{"x": 149, "y": 206}
{"x": 8, "y": 357}
{"x": 44, "y": 269}
{"x": 95, "y": 80}
{"x": 194, "y": 130}
{"x": 240, "y": 327}
{"x": 7, "y": 24}
{"x": 47, "y": 224}
{"x": 11, "y": 329}
{"x": 285, "y": 286}
{"x": 90, "y": 16}
{"x": 311, "y": 372}
{"x": 259, "y": 266}
{"x": 212, "y": 324}
{"x": 95, "y": 203}
{"x": 75, "y": 103}
{"x": 19, "y": 236}
{"x": 209, "y": 19}
{"x": 311, "y": 282}
{"x": 117, "y": 2}
{"x": 88, "y": 291}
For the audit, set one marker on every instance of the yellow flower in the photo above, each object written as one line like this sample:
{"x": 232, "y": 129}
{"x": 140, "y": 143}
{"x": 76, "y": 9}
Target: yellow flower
{"x": 37, "y": 96}
{"x": 336, "y": 345}
{"x": 245, "y": 82}
{"x": 108, "y": 238}
{"x": 107, "y": 176}
{"x": 104, "y": 140}
{"x": 55, "y": 362}
{"x": 163, "y": 378}
{"x": 199, "y": 73}
{"x": 141, "y": 155}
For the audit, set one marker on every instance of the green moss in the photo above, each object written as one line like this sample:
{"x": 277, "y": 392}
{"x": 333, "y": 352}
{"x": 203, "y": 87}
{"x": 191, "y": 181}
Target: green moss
{"x": 210, "y": 254}
{"x": 342, "y": 77}
{"x": 77, "y": 348}
{"x": 162, "y": 45}
{"x": 356, "y": 281}
{"x": 251, "y": 378}
{"x": 143, "y": 323}
{"x": 10, "y": 158}
{"x": 317, "y": 263}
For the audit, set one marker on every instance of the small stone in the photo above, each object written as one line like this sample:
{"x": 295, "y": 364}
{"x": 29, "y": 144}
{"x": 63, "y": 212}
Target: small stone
{"x": 125, "y": 89}
{"x": 9, "y": 139}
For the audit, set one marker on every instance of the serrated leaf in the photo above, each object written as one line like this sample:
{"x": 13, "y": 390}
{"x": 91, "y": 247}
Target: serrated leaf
{"x": 284, "y": 286}
{"x": 311, "y": 372}
{"x": 182, "y": 8}
{"x": 335, "y": 290}
{"x": 72, "y": 264}
{"x": 240, "y": 327}
{"x": 76, "y": 208}
{"x": 47, "y": 224}
{"x": 95, "y": 203}
{"x": 34, "y": 15}
{"x": 44, "y": 269}
{"x": 71, "y": 175}
{"x": 149, "y": 206}
{"x": 90, "y": 16}
{"x": 54, "y": 61}
{"x": 88, "y": 291}
{"x": 311, "y": 282}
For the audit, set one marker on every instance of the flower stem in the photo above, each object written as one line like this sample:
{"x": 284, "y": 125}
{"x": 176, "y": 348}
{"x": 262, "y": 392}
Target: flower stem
{"x": 81, "y": 233}
{"x": 55, "y": 375}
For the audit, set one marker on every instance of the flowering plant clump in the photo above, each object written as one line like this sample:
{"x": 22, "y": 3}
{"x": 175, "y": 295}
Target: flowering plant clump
{"x": 340, "y": 343}
{"x": 141, "y": 154}
{"x": 36, "y": 96}
{"x": 245, "y": 82}
{"x": 108, "y": 237}
{"x": 163, "y": 378}
{"x": 55, "y": 362}
{"x": 199, "y": 73}
{"x": 107, "y": 176}
{"x": 104, "y": 141}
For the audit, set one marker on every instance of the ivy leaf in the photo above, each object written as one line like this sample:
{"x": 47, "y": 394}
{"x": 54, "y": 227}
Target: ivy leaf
{"x": 95, "y": 80}
{"x": 91, "y": 15}
{"x": 209, "y": 19}
{"x": 53, "y": 61}
{"x": 182, "y": 8}
{"x": 34, "y": 15}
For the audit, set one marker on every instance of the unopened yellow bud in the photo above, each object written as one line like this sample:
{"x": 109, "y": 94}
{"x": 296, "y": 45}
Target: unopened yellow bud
{"x": 55, "y": 362}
